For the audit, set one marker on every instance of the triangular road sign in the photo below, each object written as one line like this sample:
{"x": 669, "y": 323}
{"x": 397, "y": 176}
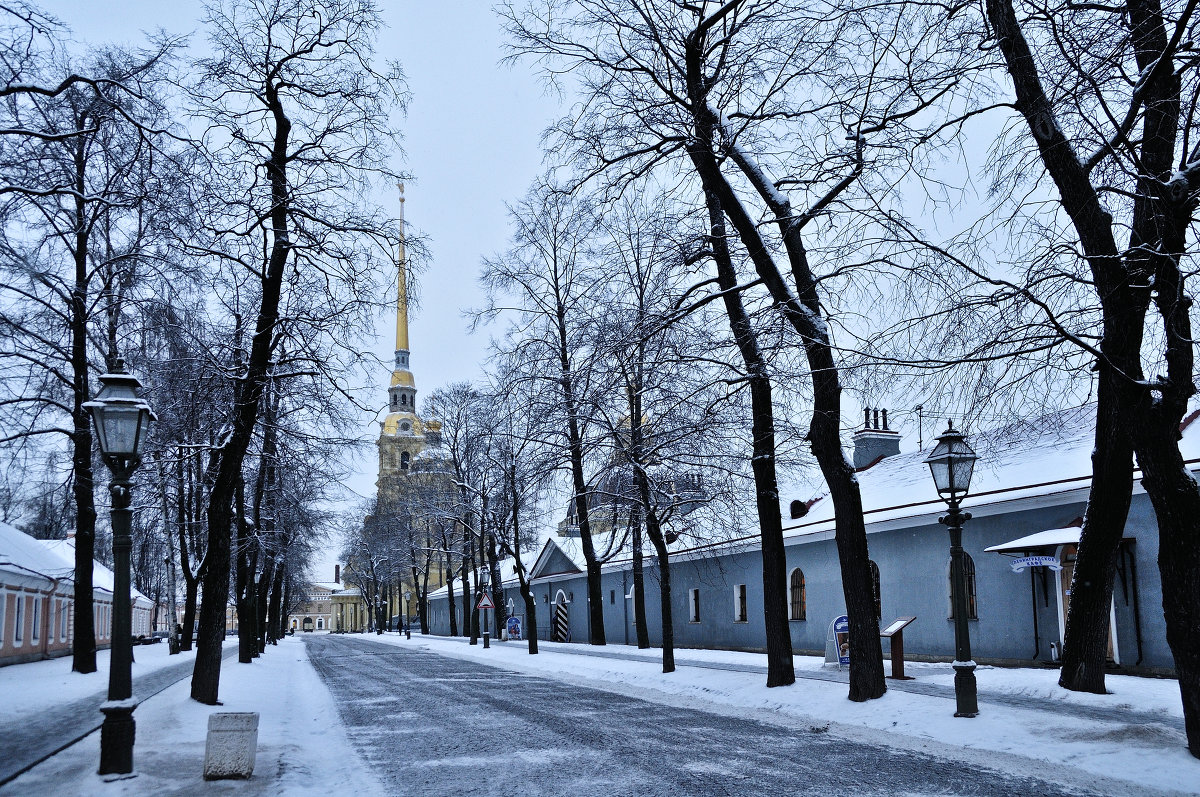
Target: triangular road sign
{"x": 485, "y": 602}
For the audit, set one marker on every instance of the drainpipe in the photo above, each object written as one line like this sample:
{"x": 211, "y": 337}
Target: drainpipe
{"x": 625, "y": 605}
{"x": 1137, "y": 610}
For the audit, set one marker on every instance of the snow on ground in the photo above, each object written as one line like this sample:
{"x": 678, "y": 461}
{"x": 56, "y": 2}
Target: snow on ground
{"x": 302, "y": 746}
{"x": 1126, "y": 692}
{"x": 1145, "y": 757}
{"x": 44, "y": 684}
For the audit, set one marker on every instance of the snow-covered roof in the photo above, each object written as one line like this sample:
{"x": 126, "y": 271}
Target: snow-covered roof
{"x": 1050, "y": 537}
{"x": 52, "y": 560}
{"x": 20, "y": 553}
{"x": 102, "y": 578}
{"x": 1032, "y": 458}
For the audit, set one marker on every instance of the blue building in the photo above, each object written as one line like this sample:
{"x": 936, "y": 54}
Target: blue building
{"x": 1027, "y": 500}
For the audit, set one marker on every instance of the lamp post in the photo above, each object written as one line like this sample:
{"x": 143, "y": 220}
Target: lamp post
{"x": 951, "y": 464}
{"x": 407, "y": 628}
{"x": 121, "y": 419}
{"x": 485, "y": 584}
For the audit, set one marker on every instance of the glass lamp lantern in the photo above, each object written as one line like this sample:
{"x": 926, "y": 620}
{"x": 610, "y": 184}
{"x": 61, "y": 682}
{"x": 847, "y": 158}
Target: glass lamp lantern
{"x": 952, "y": 463}
{"x": 121, "y": 417}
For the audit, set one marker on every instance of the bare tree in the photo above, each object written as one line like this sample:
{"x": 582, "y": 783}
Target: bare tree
{"x": 545, "y": 276}
{"x": 297, "y": 126}
{"x": 1120, "y": 156}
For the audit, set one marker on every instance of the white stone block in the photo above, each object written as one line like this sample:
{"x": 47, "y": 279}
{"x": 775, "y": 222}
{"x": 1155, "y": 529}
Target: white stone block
{"x": 231, "y": 745}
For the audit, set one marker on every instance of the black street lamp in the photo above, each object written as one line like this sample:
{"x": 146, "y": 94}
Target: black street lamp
{"x": 485, "y": 584}
{"x": 952, "y": 463}
{"x": 121, "y": 419}
{"x": 407, "y": 627}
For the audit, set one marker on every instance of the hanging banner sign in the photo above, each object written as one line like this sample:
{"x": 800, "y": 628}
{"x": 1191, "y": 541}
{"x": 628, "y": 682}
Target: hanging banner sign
{"x": 1018, "y": 565}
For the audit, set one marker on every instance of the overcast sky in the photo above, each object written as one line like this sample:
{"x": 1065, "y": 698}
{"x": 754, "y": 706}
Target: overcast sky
{"x": 471, "y": 140}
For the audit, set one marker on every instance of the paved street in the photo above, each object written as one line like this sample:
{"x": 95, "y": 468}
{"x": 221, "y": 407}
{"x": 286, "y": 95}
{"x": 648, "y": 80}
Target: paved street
{"x": 43, "y": 734}
{"x": 427, "y": 724}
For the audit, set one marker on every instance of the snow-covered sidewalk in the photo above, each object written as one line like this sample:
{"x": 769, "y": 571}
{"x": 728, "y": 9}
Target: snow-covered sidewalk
{"x": 42, "y": 685}
{"x": 1112, "y": 755}
{"x": 302, "y": 747}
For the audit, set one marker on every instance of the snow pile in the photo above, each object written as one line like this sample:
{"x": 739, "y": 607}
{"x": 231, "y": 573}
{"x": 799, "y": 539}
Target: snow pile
{"x": 302, "y": 747}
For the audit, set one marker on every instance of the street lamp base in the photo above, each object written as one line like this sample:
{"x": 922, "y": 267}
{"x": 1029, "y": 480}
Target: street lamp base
{"x": 487, "y": 640}
{"x": 116, "y": 740}
{"x": 965, "y": 691}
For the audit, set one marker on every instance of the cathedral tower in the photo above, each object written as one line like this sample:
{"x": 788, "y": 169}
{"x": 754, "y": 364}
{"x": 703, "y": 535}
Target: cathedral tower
{"x": 403, "y": 435}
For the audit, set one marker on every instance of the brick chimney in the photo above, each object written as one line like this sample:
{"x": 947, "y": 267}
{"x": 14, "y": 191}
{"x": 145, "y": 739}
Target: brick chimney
{"x": 337, "y": 574}
{"x": 875, "y": 441}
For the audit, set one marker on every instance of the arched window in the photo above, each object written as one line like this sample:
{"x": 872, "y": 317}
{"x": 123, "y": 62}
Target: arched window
{"x": 798, "y": 603}
{"x": 969, "y": 580}
{"x": 875, "y": 593}
{"x": 404, "y": 459}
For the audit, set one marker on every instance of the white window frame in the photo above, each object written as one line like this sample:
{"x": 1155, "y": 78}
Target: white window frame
{"x": 3, "y": 615}
{"x": 740, "y": 602}
{"x": 694, "y": 605}
{"x": 19, "y": 617}
{"x": 793, "y": 615}
{"x": 64, "y": 618}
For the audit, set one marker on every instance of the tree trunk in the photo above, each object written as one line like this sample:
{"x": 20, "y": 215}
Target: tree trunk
{"x": 579, "y": 484}
{"x": 639, "y": 586}
{"x": 780, "y": 667}
{"x": 450, "y": 597}
{"x": 248, "y": 393}
{"x": 1085, "y": 645}
{"x": 664, "y": 577}
{"x": 530, "y": 616}
{"x": 84, "y": 644}
{"x": 1173, "y": 491}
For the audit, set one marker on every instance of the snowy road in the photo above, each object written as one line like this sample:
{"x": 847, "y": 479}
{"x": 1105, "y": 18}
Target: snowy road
{"x": 430, "y": 724}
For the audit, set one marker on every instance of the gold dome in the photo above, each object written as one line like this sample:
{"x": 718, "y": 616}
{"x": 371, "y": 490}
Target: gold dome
{"x": 393, "y": 424}
{"x": 404, "y": 378}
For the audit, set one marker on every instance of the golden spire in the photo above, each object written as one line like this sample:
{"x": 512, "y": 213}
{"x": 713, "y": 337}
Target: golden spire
{"x": 402, "y": 294}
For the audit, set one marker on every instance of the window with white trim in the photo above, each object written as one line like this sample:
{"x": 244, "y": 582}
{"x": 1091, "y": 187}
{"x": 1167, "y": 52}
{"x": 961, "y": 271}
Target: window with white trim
{"x": 694, "y": 605}
{"x": 3, "y": 614}
{"x": 64, "y": 617}
{"x": 739, "y": 603}
{"x": 36, "y": 629}
{"x": 797, "y": 596}
{"x": 19, "y": 616}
